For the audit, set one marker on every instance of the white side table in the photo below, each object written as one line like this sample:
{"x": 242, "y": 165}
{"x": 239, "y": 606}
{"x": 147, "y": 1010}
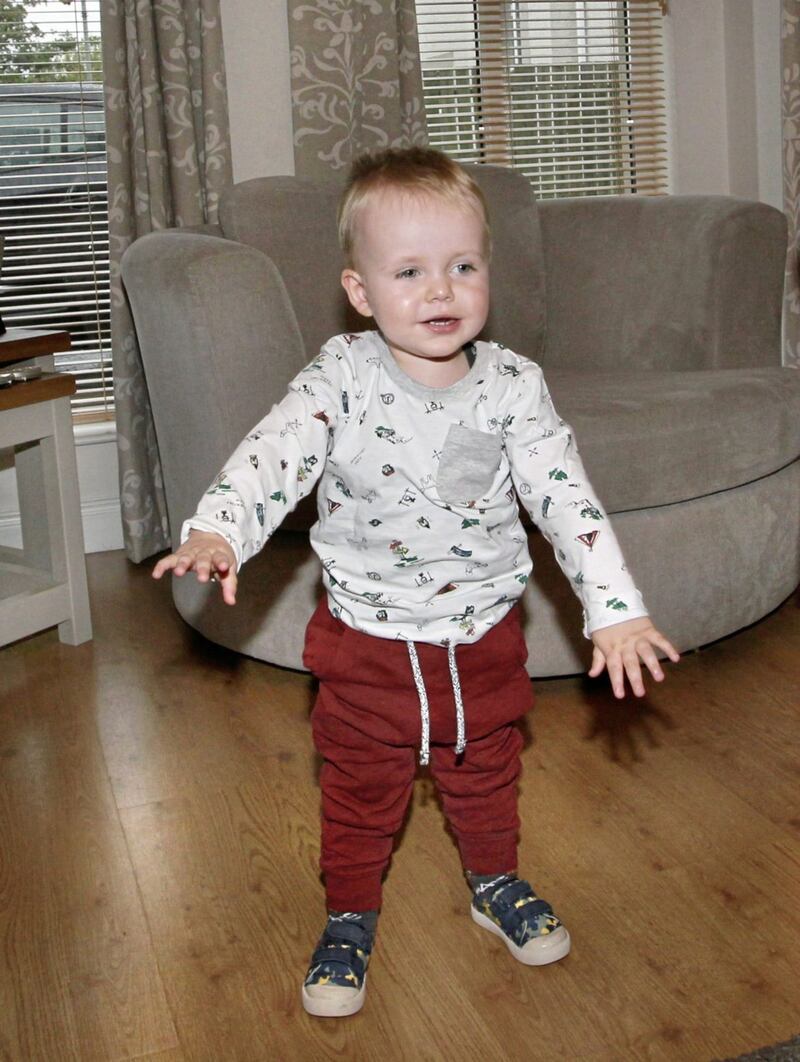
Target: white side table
{"x": 43, "y": 584}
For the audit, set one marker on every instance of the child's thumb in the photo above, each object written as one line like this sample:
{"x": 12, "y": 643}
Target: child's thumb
{"x": 598, "y": 663}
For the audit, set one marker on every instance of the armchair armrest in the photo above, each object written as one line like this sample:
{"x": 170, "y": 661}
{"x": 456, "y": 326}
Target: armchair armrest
{"x": 219, "y": 343}
{"x": 663, "y": 282}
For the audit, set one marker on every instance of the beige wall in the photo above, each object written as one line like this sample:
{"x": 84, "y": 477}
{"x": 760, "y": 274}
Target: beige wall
{"x": 724, "y": 83}
{"x": 769, "y": 78}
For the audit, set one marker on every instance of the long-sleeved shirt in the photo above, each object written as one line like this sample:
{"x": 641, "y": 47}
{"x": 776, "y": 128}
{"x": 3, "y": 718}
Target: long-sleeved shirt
{"x": 419, "y": 531}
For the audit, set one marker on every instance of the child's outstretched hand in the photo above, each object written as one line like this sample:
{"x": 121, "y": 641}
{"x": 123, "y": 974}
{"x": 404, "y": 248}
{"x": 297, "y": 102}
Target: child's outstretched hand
{"x": 621, "y": 649}
{"x": 209, "y": 556}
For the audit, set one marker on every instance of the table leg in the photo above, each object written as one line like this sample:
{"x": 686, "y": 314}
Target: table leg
{"x": 32, "y": 508}
{"x": 31, "y": 495}
{"x": 62, "y": 496}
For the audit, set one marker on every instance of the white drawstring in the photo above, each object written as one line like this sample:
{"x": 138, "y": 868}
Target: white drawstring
{"x": 461, "y": 737}
{"x": 425, "y": 715}
{"x": 424, "y": 711}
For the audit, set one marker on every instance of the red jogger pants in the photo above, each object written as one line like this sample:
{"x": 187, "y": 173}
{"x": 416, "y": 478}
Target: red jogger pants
{"x": 366, "y": 725}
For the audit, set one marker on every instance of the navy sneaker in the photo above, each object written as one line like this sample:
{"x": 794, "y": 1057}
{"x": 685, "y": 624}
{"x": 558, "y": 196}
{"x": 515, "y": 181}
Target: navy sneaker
{"x": 509, "y": 908}
{"x": 336, "y": 982}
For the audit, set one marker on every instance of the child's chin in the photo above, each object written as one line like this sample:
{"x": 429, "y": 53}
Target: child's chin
{"x": 441, "y": 355}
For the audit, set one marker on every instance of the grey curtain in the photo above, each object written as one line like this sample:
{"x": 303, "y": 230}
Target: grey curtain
{"x": 356, "y": 80}
{"x": 168, "y": 160}
{"x": 790, "y": 61}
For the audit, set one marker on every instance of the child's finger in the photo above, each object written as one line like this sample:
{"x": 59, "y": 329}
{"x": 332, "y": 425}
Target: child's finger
{"x": 616, "y": 674}
{"x": 228, "y": 585}
{"x": 164, "y": 565}
{"x": 634, "y": 672}
{"x": 202, "y": 567}
{"x": 651, "y": 660}
{"x": 664, "y": 643}
{"x": 185, "y": 563}
{"x": 170, "y": 563}
{"x": 598, "y": 663}
{"x": 220, "y": 562}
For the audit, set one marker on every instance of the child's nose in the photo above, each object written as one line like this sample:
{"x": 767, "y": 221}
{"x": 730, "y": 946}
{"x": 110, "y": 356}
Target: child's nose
{"x": 441, "y": 288}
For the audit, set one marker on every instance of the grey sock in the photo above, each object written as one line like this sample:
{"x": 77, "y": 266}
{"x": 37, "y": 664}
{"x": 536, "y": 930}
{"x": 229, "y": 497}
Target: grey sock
{"x": 366, "y": 919}
{"x": 478, "y": 881}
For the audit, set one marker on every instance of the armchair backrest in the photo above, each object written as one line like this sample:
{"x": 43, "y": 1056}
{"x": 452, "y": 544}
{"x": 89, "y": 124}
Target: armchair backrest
{"x": 219, "y": 344}
{"x": 663, "y": 282}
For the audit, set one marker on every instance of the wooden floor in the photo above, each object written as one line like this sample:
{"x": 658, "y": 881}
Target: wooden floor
{"x": 159, "y": 894}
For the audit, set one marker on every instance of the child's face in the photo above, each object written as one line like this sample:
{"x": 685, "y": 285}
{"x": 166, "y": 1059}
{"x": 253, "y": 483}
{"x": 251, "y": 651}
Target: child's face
{"x": 422, "y": 271}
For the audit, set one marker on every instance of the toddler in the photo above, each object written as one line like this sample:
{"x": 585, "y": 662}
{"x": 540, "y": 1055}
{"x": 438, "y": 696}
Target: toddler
{"x": 421, "y": 439}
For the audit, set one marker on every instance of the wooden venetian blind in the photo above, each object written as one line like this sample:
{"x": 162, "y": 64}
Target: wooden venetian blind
{"x": 53, "y": 202}
{"x": 571, "y": 93}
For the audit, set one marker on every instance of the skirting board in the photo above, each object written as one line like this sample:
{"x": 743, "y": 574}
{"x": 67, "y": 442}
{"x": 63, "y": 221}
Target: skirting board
{"x": 102, "y": 526}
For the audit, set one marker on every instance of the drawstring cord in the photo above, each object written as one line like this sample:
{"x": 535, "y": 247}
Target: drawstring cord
{"x": 461, "y": 737}
{"x": 424, "y": 710}
{"x": 425, "y": 715}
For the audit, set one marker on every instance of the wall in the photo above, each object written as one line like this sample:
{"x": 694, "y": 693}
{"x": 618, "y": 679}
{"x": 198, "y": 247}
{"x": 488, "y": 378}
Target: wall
{"x": 724, "y": 77}
{"x": 769, "y": 79}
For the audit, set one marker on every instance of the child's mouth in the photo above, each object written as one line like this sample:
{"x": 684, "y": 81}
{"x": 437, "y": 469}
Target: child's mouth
{"x": 442, "y": 324}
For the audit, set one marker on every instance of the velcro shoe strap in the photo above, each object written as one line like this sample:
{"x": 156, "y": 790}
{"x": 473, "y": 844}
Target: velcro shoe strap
{"x": 508, "y": 895}
{"x": 348, "y": 932}
{"x": 348, "y": 958}
{"x": 537, "y": 908}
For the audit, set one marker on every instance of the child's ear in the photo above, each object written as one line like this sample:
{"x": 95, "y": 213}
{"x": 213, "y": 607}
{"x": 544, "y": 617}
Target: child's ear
{"x": 356, "y": 292}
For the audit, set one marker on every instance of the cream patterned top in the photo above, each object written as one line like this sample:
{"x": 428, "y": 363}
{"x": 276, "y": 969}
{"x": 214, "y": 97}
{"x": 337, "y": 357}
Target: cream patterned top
{"x": 419, "y": 532}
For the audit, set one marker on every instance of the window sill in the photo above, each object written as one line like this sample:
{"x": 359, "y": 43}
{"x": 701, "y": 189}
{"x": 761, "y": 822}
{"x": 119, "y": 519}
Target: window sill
{"x": 91, "y": 434}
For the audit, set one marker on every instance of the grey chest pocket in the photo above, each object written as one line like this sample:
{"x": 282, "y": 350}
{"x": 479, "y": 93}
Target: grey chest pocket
{"x": 467, "y": 467}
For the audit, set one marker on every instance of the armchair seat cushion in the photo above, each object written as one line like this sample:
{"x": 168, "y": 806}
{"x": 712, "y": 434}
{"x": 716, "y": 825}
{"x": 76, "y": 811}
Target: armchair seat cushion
{"x": 656, "y": 438}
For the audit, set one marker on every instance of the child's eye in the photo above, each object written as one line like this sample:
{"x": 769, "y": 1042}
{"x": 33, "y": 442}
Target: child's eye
{"x": 465, "y": 267}
{"x": 408, "y": 274}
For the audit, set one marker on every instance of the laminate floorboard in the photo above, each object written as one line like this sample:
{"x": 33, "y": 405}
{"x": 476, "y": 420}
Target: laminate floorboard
{"x": 160, "y": 896}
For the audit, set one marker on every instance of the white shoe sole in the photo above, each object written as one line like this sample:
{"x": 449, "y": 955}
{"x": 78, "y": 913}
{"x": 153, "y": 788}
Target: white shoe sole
{"x": 537, "y": 952}
{"x": 333, "y": 1001}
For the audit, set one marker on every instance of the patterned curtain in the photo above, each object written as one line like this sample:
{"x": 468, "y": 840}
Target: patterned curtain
{"x": 790, "y": 58}
{"x": 356, "y": 80}
{"x": 168, "y": 160}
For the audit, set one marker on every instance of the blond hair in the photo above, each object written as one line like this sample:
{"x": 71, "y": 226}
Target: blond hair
{"x": 416, "y": 171}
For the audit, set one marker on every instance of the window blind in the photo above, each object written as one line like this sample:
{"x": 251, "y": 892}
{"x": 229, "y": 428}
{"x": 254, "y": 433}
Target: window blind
{"x": 53, "y": 207}
{"x": 569, "y": 92}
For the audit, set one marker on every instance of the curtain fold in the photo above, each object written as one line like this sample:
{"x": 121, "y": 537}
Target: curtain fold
{"x": 790, "y": 107}
{"x": 169, "y": 159}
{"x": 356, "y": 80}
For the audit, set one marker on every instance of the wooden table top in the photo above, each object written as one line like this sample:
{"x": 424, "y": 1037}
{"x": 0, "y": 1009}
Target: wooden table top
{"x": 19, "y": 344}
{"x": 47, "y": 387}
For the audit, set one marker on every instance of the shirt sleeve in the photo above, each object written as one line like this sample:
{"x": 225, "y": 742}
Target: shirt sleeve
{"x": 550, "y": 479}
{"x": 277, "y": 464}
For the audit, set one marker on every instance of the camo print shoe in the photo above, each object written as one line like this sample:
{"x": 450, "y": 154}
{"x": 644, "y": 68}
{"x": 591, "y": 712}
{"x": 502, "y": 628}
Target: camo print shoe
{"x": 336, "y": 981}
{"x": 509, "y": 908}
